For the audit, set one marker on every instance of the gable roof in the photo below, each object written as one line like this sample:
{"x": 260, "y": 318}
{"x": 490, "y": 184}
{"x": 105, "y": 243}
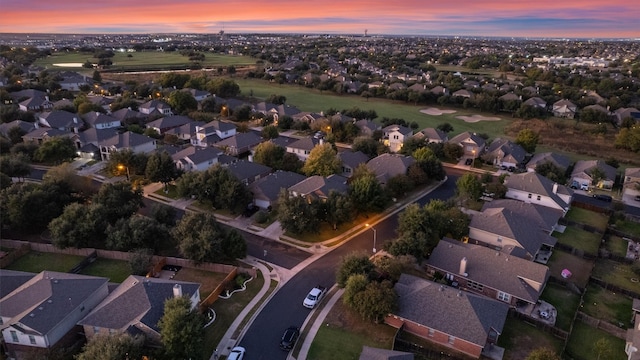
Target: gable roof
{"x": 467, "y": 137}
{"x": 197, "y": 155}
{"x": 503, "y": 148}
{"x": 48, "y": 298}
{"x": 386, "y": 166}
{"x": 94, "y": 118}
{"x": 320, "y": 186}
{"x": 136, "y": 299}
{"x": 171, "y": 121}
{"x": 528, "y": 224}
{"x": 241, "y": 141}
{"x": 558, "y": 160}
{"x": 61, "y": 119}
{"x": 431, "y": 134}
{"x": 247, "y": 170}
{"x": 23, "y": 125}
{"x": 307, "y": 143}
{"x": 352, "y": 158}
{"x": 96, "y": 136}
{"x": 406, "y": 131}
{"x": 268, "y": 188}
{"x": 457, "y": 313}
{"x": 518, "y": 277}
{"x": 535, "y": 183}
{"x": 126, "y": 113}
{"x": 126, "y": 140}
{"x": 11, "y": 280}
{"x": 583, "y": 169}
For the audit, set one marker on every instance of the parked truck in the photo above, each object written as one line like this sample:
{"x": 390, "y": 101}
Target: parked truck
{"x": 314, "y": 297}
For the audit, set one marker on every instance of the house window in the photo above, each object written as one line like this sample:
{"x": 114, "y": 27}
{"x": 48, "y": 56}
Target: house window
{"x": 538, "y": 197}
{"x": 14, "y": 336}
{"x": 474, "y": 285}
{"x": 504, "y": 296}
{"x": 529, "y": 196}
{"x": 431, "y": 332}
{"x": 452, "y": 339}
{"x": 395, "y": 137}
{"x": 96, "y": 330}
{"x": 32, "y": 339}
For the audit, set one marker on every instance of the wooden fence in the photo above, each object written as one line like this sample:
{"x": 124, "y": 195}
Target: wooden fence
{"x": 614, "y": 288}
{"x": 602, "y": 325}
{"x": 557, "y": 332}
{"x": 209, "y": 300}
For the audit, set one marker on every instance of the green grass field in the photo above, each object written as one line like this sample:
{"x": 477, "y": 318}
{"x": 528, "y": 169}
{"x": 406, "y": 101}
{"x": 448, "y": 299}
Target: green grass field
{"x": 565, "y": 302}
{"x": 581, "y": 345}
{"x": 579, "y": 239}
{"x": 312, "y": 100}
{"x": 115, "y": 270}
{"x": 617, "y": 246}
{"x": 519, "y": 338}
{"x": 617, "y": 274}
{"x": 36, "y": 262}
{"x": 588, "y": 217}
{"x": 147, "y": 60}
{"x": 580, "y": 267}
{"x": 606, "y": 305}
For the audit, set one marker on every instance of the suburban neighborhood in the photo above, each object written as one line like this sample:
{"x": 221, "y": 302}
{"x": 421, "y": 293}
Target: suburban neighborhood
{"x": 396, "y": 198}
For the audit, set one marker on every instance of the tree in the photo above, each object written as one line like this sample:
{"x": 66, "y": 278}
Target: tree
{"x": 118, "y": 201}
{"x": 181, "y": 329}
{"x": 269, "y": 154}
{"x": 56, "y": 151}
{"x": 140, "y": 261}
{"x": 296, "y": 214}
{"x": 15, "y": 166}
{"x": 355, "y": 263}
{"x": 164, "y": 214}
{"x": 337, "y": 209}
{"x": 201, "y": 239}
{"x": 136, "y": 232}
{"x": 469, "y": 187}
{"x": 77, "y": 226}
{"x": 323, "y": 160}
{"x": 366, "y": 192}
{"x": 549, "y": 170}
{"x": 445, "y": 127}
{"x": 528, "y": 139}
{"x": 223, "y": 88}
{"x": 376, "y": 301}
{"x": 543, "y": 354}
{"x": 269, "y": 132}
{"x": 161, "y": 168}
{"x": 96, "y": 76}
{"x": 356, "y": 283}
{"x": 452, "y": 151}
{"x": 367, "y": 145}
{"x": 112, "y": 346}
{"x": 602, "y": 349}
{"x": 182, "y": 102}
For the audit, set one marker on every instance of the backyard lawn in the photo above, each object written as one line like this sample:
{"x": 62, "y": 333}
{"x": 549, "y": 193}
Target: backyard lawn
{"x": 588, "y": 217}
{"x": 617, "y": 274}
{"x": 36, "y": 262}
{"x": 519, "y": 338}
{"x": 579, "y": 267}
{"x": 115, "y": 270}
{"x": 608, "y": 306}
{"x": 583, "y": 340}
{"x": 579, "y": 239}
{"x": 629, "y": 227}
{"x": 344, "y": 333}
{"x": 565, "y": 301}
{"x": 617, "y": 246}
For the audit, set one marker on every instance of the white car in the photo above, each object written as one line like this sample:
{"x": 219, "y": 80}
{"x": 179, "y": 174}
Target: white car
{"x": 237, "y": 353}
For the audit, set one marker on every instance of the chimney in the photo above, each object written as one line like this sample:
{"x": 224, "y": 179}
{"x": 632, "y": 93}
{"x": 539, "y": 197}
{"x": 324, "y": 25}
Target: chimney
{"x": 555, "y": 188}
{"x": 177, "y": 290}
{"x": 463, "y": 266}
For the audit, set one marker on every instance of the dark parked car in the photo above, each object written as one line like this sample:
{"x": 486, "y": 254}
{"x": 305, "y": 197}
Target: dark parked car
{"x": 289, "y": 338}
{"x": 250, "y": 210}
{"x": 606, "y": 198}
{"x": 468, "y": 161}
{"x": 637, "y": 198}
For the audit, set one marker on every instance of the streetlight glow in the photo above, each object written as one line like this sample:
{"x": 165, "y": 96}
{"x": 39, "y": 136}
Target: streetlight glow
{"x": 374, "y": 237}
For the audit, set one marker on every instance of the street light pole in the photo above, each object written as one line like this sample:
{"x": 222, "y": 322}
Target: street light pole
{"x": 124, "y": 167}
{"x": 374, "y": 237}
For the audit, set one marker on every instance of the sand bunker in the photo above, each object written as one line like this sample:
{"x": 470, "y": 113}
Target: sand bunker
{"x": 436, "y": 111}
{"x": 476, "y": 118}
{"x": 68, "y": 64}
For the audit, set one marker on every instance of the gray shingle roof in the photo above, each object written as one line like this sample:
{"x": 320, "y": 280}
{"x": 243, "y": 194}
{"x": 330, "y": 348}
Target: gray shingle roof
{"x": 126, "y": 140}
{"x": 62, "y": 119}
{"x": 502, "y": 148}
{"x": 353, "y": 159}
{"x": 169, "y": 122}
{"x": 386, "y": 166}
{"x": 454, "y": 312}
{"x": 528, "y": 224}
{"x": 241, "y": 141}
{"x": 47, "y": 298}
{"x": 137, "y": 299}
{"x": 584, "y": 168}
{"x": 558, "y": 160}
{"x": 24, "y": 125}
{"x": 320, "y": 186}
{"x": 537, "y": 184}
{"x": 94, "y": 118}
{"x": 11, "y": 280}
{"x": 307, "y": 143}
{"x": 468, "y": 137}
{"x": 268, "y": 188}
{"x": 245, "y": 170}
{"x": 197, "y": 155}
{"x": 521, "y": 278}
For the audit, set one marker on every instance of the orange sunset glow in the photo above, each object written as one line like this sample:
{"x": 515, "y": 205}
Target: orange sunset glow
{"x": 546, "y": 18}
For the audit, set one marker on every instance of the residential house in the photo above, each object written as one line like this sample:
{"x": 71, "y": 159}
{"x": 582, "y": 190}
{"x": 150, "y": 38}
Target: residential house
{"x": 534, "y": 188}
{"x": 367, "y": 127}
{"x": 100, "y": 121}
{"x": 302, "y": 147}
{"x": 503, "y": 152}
{"x": 199, "y": 95}
{"x": 439, "y": 90}
{"x": 351, "y": 160}
{"x": 625, "y": 113}
{"x": 136, "y": 306}
{"x": 631, "y": 182}
{"x": 515, "y": 227}
{"x": 102, "y": 101}
{"x": 42, "y": 134}
{"x": 88, "y": 142}
{"x": 41, "y": 314}
{"x": 72, "y": 81}
{"x": 61, "y": 120}
{"x": 432, "y": 135}
{"x": 597, "y": 109}
{"x": 488, "y": 272}
{"x": 564, "y": 109}
{"x": 394, "y": 136}
{"x": 536, "y": 102}
{"x": 126, "y": 141}
{"x": 633, "y": 334}
{"x": 239, "y": 143}
{"x": 166, "y": 123}
{"x": 386, "y": 166}
{"x": 126, "y": 115}
{"x": 247, "y": 171}
{"x": 593, "y": 173}
{"x": 472, "y": 144}
{"x": 560, "y": 161}
{"x": 194, "y": 158}
{"x": 187, "y": 131}
{"x": 212, "y": 132}
{"x": 24, "y": 126}
{"x": 463, "y": 93}
{"x": 319, "y": 187}
{"x": 449, "y": 317}
{"x": 36, "y": 104}
{"x": 267, "y": 189}
{"x": 11, "y": 280}
{"x": 307, "y": 117}
{"x": 155, "y": 108}
{"x": 419, "y": 88}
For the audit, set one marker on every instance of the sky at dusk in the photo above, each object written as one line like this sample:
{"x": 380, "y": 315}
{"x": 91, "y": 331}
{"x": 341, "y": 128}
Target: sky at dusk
{"x": 517, "y": 18}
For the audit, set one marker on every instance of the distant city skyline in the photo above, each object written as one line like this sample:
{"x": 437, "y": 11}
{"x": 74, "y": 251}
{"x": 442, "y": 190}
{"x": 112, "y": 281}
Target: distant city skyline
{"x": 543, "y": 18}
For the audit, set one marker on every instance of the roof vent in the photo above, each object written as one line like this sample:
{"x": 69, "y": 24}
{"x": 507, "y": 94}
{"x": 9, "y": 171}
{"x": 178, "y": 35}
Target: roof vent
{"x": 32, "y": 315}
{"x": 459, "y": 293}
{"x": 50, "y": 301}
{"x": 40, "y": 308}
